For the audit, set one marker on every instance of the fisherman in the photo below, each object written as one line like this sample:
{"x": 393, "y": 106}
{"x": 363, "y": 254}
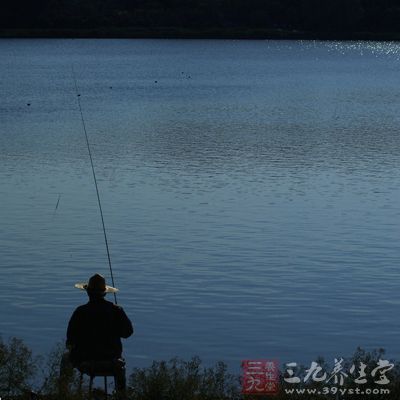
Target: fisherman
{"x": 95, "y": 331}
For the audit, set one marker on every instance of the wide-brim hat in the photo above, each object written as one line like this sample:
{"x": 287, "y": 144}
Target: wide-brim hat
{"x": 96, "y": 284}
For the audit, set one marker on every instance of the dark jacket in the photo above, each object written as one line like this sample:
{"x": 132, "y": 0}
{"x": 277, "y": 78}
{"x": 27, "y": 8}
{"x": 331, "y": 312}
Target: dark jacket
{"x": 95, "y": 331}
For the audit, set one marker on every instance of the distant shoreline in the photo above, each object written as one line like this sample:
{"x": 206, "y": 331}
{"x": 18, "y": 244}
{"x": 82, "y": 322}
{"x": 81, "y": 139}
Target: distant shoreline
{"x": 177, "y": 33}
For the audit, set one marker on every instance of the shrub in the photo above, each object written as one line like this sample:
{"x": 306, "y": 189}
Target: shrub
{"x": 184, "y": 380}
{"x": 17, "y": 367}
{"x": 172, "y": 380}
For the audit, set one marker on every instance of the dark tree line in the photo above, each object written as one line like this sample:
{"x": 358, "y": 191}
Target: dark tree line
{"x": 377, "y": 16}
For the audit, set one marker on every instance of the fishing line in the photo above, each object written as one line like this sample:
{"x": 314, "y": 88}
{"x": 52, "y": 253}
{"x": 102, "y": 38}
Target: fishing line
{"x": 56, "y": 207}
{"x": 95, "y": 181}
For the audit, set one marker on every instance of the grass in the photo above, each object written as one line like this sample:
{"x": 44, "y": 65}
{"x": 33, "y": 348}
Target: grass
{"x": 21, "y": 374}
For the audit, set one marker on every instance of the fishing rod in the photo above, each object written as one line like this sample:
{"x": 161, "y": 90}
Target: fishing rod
{"x": 95, "y": 181}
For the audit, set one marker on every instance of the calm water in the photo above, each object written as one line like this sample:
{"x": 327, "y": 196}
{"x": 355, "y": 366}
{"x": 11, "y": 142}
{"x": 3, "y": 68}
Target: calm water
{"x": 251, "y": 194}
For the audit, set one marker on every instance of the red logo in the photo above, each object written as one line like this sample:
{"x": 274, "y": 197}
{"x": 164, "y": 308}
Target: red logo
{"x": 260, "y": 377}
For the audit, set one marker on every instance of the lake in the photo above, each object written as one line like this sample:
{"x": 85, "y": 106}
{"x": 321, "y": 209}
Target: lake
{"x": 250, "y": 191}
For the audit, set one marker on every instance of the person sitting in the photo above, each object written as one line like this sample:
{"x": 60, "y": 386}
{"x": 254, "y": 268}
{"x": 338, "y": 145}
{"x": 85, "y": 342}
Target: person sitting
{"x": 94, "y": 333}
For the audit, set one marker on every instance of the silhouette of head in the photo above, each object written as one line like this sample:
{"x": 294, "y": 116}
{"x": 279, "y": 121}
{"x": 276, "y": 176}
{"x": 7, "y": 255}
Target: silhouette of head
{"x": 96, "y": 286}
